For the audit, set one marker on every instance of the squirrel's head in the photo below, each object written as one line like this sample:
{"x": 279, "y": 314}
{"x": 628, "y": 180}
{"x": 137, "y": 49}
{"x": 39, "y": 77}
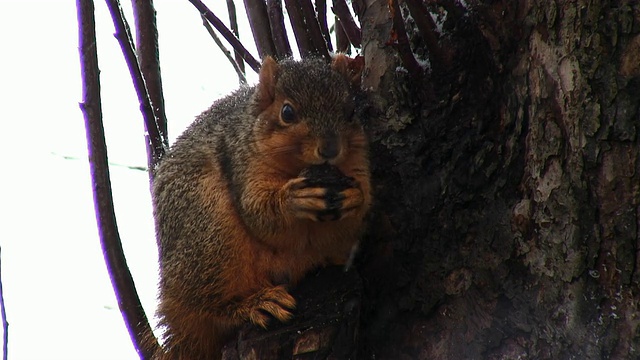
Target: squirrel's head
{"x": 307, "y": 114}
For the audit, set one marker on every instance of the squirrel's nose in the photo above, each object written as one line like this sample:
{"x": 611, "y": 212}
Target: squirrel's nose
{"x": 329, "y": 147}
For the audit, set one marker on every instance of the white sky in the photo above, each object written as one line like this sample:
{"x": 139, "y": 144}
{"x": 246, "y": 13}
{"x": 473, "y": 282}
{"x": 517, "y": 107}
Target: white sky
{"x": 59, "y": 300}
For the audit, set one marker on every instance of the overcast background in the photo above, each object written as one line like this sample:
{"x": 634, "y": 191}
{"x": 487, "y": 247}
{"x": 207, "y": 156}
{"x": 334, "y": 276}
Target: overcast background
{"x": 59, "y": 300}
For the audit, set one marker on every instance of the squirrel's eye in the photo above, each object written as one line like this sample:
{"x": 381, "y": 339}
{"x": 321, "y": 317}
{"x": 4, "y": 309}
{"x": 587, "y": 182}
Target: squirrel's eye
{"x": 287, "y": 114}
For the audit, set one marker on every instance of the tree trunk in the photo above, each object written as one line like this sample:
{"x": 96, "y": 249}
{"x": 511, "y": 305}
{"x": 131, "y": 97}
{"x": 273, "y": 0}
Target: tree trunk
{"x": 507, "y": 220}
{"x": 506, "y": 223}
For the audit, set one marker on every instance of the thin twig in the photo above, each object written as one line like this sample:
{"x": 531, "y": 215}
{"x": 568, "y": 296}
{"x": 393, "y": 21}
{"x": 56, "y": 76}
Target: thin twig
{"x": 427, "y": 28}
{"x": 349, "y": 25}
{"x": 128, "y": 301}
{"x": 321, "y": 10}
{"x": 225, "y": 51}
{"x": 227, "y": 34}
{"x": 144, "y": 16}
{"x": 400, "y": 41}
{"x": 233, "y": 22}
{"x": 313, "y": 28}
{"x": 123, "y": 34}
{"x": 305, "y": 45}
{"x": 342, "y": 41}
{"x": 5, "y": 324}
{"x": 278, "y": 30}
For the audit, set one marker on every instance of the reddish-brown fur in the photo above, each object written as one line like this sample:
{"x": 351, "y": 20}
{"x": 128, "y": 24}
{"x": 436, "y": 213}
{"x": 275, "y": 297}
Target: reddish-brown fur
{"x": 239, "y": 270}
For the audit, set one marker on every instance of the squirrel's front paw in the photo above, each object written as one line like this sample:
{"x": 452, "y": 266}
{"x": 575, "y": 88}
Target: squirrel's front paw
{"x": 325, "y": 198}
{"x": 275, "y": 301}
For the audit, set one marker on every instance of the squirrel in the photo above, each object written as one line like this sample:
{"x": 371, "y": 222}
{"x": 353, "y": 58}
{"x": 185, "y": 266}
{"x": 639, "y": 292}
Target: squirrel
{"x": 267, "y": 184}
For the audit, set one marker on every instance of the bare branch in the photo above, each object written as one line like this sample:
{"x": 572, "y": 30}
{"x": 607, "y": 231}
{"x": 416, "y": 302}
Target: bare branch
{"x": 5, "y": 324}
{"x": 313, "y": 28}
{"x": 400, "y": 41}
{"x": 427, "y": 28}
{"x": 123, "y": 285}
{"x": 259, "y": 22}
{"x": 321, "y": 10}
{"x": 278, "y": 30}
{"x": 342, "y": 41}
{"x": 144, "y": 16}
{"x": 305, "y": 45}
{"x": 349, "y": 25}
{"x": 233, "y": 22}
{"x": 123, "y": 34}
{"x": 227, "y": 34}
{"x": 241, "y": 77}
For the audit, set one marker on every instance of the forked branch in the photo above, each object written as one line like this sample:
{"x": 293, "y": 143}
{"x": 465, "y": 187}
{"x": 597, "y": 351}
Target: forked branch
{"x": 144, "y": 15}
{"x": 227, "y": 34}
{"x": 241, "y": 77}
{"x": 123, "y": 34}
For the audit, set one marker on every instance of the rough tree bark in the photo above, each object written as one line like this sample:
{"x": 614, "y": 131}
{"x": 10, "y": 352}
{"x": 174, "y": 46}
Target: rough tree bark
{"x": 508, "y": 187}
{"x": 507, "y": 220}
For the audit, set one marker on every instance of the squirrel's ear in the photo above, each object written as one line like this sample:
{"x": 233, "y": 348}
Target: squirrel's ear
{"x": 266, "y": 89}
{"x": 350, "y": 68}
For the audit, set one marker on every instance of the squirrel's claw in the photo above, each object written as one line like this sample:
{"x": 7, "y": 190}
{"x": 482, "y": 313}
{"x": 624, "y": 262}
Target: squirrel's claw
{"x": 322, "y": 203}
{"x": 275, "y": 301}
